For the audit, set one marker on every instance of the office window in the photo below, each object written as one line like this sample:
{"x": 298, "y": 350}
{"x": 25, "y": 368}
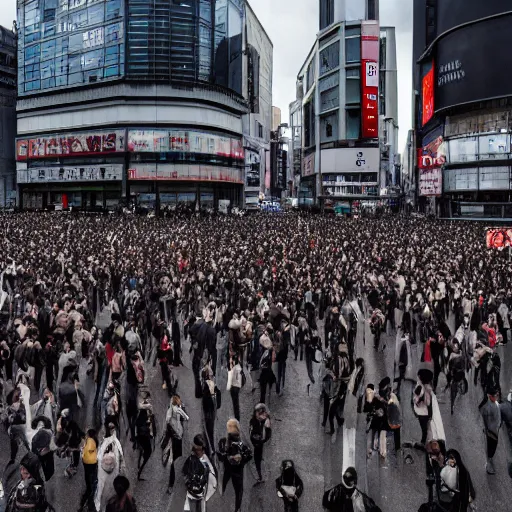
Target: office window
{"x": 96, "y": 14}
{"x": 330, "y": 58}
{"x": 329, "y": 127}
{"x": 329, "y": 92}
{"x": 310, "y": 76}
{"x": 372, "y": 10}
{"x": 326, "y": 13}
{"x": 113, "y": 9}
{"x": 353, "y": 89}
{"x": 353, "y": 123}
{"x": 352, "y": 44}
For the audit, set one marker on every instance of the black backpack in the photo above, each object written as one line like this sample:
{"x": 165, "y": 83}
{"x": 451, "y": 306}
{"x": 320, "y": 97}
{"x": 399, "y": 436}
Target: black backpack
{"x": 197, "y": 477}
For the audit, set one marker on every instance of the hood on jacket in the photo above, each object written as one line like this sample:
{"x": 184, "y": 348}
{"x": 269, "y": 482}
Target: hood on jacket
{"x": 31, "y": 463}
{"x": 234, "y": 324}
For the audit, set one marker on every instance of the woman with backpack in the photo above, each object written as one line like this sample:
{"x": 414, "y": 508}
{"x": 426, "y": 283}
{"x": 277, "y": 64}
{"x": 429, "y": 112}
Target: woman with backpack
{"x": 235, "y": 455}
{"x": 172, "y": 440}
{"x": 200, "y": 479}
{"x": 289, "y": 486}
{"x": 110, "y": 464}
{"x": 260, "y": 433}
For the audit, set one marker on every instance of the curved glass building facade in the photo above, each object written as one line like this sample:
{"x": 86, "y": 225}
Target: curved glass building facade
{"x": 154, "y": 94}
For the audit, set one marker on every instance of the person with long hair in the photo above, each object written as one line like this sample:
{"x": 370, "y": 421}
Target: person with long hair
{"x": 456, "y": 491}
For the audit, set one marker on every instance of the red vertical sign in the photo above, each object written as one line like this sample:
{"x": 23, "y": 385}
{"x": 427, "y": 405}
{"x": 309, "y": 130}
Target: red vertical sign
{"x": 370, "y": 33}
{"x": 428, "y": 96}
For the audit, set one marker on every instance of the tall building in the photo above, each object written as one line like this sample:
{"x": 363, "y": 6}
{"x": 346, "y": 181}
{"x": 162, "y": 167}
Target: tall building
{"x": 7, "y": 117}
{"x": 276, "y": 118}
{"x": 343, "y": 130}
{"x": 463, "y": 107}
{"x": 257, "y": 125}
{"x": 136, "y": 100}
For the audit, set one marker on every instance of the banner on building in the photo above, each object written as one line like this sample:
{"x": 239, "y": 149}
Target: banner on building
{"x": 309, "y": 165}
{"x": 71, "y": 144}
{"x": 185, "y": 172}
{"x": 427, "y": 94}
{"x": 370, "y": 45}
{"x": 185, "y": 141}
{"x": 431, "y": 182}
{"x": 252, "y": 169}
{"x": 432, "y": 154}
{"x": 498, "y": 238}
{"x": 71, "y": 173}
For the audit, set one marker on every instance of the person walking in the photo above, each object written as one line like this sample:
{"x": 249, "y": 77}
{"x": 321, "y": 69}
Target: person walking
{"x": 235, "y": 455}
{"x": 200, "y": 479}
{"x": 172, "y": 440}
{"x": 90, "y": 463}
{"x": 491, "y": 414}
{"x": 289, "y": 486}
{"x": 260, "y": 433}
{"x": 456, "y": 489}
{"x": 145, "y": 429}
{"x": 235, "y": 383}
{"x": 122, "y": 501}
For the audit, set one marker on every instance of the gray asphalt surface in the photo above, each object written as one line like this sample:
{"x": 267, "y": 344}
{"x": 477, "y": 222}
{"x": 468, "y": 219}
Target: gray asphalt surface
{"x": 297, "y": 434}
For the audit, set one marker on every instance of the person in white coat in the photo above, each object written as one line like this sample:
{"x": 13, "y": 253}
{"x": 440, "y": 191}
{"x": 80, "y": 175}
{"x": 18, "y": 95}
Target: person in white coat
{"x": 110, "y": 464}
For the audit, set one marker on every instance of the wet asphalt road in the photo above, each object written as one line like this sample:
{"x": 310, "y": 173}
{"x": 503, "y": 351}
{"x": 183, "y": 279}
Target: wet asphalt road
{"x": 298, "y": 434}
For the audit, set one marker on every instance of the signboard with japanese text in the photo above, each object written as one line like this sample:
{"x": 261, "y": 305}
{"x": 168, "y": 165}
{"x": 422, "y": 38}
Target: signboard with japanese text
{"x": 431, "y": 182}
{"x": 164, "y": 141}
{"x": 71, "y": 173}
{"x": 370, "y": 45}
{"x": 71, "y": 144}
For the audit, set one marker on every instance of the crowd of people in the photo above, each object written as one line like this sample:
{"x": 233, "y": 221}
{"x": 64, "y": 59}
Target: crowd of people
{"x": 112, "y": 295}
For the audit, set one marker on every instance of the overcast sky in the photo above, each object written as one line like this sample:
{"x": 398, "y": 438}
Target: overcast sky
{"x": 292, "y": 26}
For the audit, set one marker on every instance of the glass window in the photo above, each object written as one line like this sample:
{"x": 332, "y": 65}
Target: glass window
{"x": 61, "y": 65}
{"x": 92, "y": 59}
{"x": 326, "y": 13}
{"x": 48, "y": 83}
{"x": 75, "y": 42}
{"x": 329, "y": 82}
{"x": 113, "y": 9}
{"x": 353, "y": 89}
{"x": 47, "y": 69}
{"x": 33, "y": 86}
{"x": 329, "y": 127}
{"x": 61, "y": 81}
{"x": 78, "y": 19}
{"x": 48, "y": 49}
{"x": 352, "y": 31}
{"x": 329, "y": 99}
{"x": 75, "y": 78}
{"x": 353, "y": 49}
{"x": 353, "y": 121}
{"x": 114, "y": 32}
{"x": 112, "y": 55}
{"x": 32, "y": 72}
{"x": 74, "y": 63}
{"x": 95, "y": 14}
{"x": 49, "y": 29}
{"x": 112, "y": 71}
{"x": 32, "y": 54}
{"x": 330, "y": 58}
{"x": 310, "y": 75}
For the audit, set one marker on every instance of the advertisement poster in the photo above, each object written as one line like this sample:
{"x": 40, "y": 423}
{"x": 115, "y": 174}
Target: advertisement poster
{"x": 427, "y": 94}
{"x": 309, "y": 165}
{"x": 370, "y": 45}
{"x": 499, "y": 238}
{"x": 71, "y": 173}
{"x": 62, "y": 145}
{"x": 432, "y": 154}
{"x": 431, "y": 182}
{"x": 184, "y": 141}
{"x": 148, "y": 172}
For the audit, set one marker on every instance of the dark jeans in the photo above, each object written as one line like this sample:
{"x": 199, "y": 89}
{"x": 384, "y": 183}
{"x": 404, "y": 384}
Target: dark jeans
{"x": 291, "y": 506}
{"x": 91, "y": 482}
{"x": 237, "y": 477}
{"x": 424, "y": 427}
{"x": 326, "y": 408}
{"x": 336, "y": 410}
{"x": 258, "y": 457}
{"x": 309, "y": 364}
{"x": 48, "y": 465}
{"x": 281, "y": 375}
{"x": 492, "y": 444}
{"x": 172, "y": 475}
{"x": 235, "y": 397}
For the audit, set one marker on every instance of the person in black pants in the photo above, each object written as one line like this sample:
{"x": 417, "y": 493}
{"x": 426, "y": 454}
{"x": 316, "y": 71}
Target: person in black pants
{"x": 235, "y": 455}
{"x": 260, "y": 433}
{"x": 145, "y": 426}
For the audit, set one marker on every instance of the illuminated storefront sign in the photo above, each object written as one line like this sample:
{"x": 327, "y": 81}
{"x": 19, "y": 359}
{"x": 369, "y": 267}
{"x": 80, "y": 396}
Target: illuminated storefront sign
{"x": 431, "y": 182}
{"x": 432, "y": 154}
{"x": 71, "y": 173}
{"x": 164, "y": 141}
{"x": 499, "y": 238}
{"x": 185, "y": 172}
{"x": 71, "y": 144}
{"x": 427, "y": 94}
{"x": 370, "y": 70}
